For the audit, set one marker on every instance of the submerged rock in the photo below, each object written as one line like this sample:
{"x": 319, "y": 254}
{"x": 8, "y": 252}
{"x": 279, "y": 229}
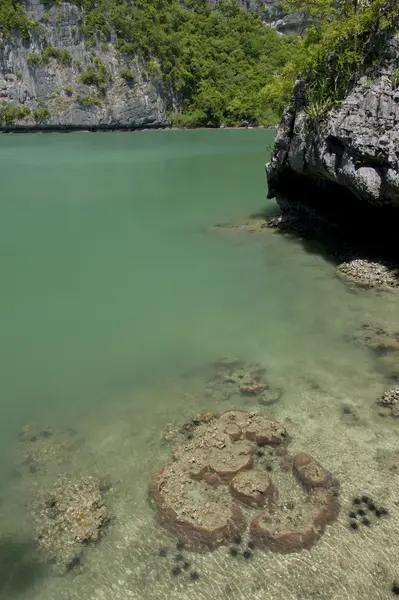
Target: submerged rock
{"x": 368, "y": 274}
{"x": 296, "y": 224}
{"x": 67, "y": 516}
{"x": 215, "y": 487}
{"x": 287, "y": 531}
{"x": 383, "y": 343}
{"x": 378, "y": 339}
{"x": 310, "y": 473}
{"x": 232, "y": 375}
{"x": 389, "y": 401}
{"x": 32, "y": 432}
{"x": 43, "y": 447}
{"x": 254, "y": 488}
{"x": 249, "y": 226}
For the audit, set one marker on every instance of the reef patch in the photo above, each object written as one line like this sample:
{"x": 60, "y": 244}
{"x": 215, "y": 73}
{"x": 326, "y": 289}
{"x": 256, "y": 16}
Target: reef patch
{"x": 216, "y": 489}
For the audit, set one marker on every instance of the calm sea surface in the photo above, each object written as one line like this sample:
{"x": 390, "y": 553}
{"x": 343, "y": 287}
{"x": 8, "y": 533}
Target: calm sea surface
{"x": 116, "y": 295}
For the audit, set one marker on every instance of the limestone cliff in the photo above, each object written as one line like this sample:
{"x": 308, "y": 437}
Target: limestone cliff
{"x": 41, "y": 74}
{"x": 53, "y": 86}
{"x": 343, "y": 166}
{"x": 295, "y": 22}
{"x": 275, "y": 16}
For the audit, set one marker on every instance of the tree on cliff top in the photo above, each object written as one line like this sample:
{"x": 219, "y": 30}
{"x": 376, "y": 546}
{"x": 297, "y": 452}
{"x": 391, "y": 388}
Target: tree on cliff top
{"x": 319, "y": 9}
{"x": 345, "y": 41}
{"x": 216, "y": 61}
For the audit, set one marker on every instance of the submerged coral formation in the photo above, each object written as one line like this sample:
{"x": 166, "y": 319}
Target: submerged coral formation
{"x": 67, "y": 516}
{"x": 43, "y": 447}
{"x": 232, "y": 375}
{"x": 389, "y": 401}
{"x": 213, "y": 491}
{"x": 226, "y": 377}
{"x": 68, "y": 513}
{"x": 382, "y": 342}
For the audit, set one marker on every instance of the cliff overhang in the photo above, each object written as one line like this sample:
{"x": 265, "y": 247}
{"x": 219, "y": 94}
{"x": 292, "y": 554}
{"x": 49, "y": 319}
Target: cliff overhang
{"x": 343, "y": 166}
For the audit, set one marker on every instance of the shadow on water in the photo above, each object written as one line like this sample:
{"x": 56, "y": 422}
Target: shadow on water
{"x": 20, "y": 567}
{"x": 315, "y": 237}
{"x": 318, "y": 236}
{"x": 336, "y": 247}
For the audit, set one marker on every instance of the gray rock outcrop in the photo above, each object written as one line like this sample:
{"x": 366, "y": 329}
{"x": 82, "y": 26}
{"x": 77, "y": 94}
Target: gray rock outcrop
{"x": 136, "y": 101}
{"x": 343, "y": 166}
{"x": 286, "y": 23}
{"x": 275, "y": 16}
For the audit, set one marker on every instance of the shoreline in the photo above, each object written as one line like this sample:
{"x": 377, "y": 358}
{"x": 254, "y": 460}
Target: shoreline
{"x": 354, "y": 262}
{"x": 119, "y": 128}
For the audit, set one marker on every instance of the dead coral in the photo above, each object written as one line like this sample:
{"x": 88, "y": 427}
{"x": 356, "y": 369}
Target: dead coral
{"x": 67, "y": 516}
{"x": 211, "y": 491}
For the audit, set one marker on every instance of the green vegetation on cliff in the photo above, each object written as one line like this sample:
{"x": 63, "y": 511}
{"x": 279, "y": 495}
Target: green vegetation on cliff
{"x": 224, "y": 66}
{"x": 9, "y": 114}
{"x": 43, "y": 57}
{"x": 346, "y": 41}
{"x": 97, "y": 75}
{"x": 214, "y": 63}
{"x": 12, "y": 18}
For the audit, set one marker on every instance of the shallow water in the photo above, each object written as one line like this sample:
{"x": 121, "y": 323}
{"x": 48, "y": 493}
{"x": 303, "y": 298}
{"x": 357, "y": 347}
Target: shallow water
{"x": 116, "y": 296}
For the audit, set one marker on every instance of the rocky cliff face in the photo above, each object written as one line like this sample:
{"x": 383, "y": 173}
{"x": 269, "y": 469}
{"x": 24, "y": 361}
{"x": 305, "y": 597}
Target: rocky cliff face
{"x": 49, "y": 87}
{"x": 283, "y": 22}
{"x": 343, "y": 166}
{"x": 28, "y": 80}
{"x": 274, "y": 16}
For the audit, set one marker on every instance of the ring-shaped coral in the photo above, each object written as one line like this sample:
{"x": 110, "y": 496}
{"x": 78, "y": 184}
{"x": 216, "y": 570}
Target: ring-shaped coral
{"x": 211, "y": 492}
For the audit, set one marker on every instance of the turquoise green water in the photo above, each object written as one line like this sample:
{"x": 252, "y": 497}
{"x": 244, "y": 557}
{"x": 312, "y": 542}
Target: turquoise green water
{"x": 104, "y": 271}
{"x": 114, "y": 291}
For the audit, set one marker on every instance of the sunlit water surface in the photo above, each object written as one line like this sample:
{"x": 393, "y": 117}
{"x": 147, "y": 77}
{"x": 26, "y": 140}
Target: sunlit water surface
{"x": 116, "y": 294}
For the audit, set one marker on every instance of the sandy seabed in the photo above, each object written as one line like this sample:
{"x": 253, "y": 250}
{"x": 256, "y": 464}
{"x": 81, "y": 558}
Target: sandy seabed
{"x": 329, "y": 410}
